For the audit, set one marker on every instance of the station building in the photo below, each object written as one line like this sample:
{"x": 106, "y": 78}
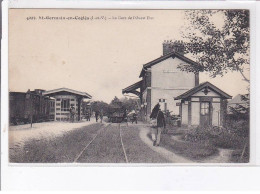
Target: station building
{"x": 164, "y": 83}
{"x": 203, "y": 105}
{"x": 64, "y": 100}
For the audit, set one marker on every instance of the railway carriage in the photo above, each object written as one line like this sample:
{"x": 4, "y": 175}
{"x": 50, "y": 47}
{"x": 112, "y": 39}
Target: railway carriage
{"x": 117, "y": 113}
{"x": 30, "y": 105}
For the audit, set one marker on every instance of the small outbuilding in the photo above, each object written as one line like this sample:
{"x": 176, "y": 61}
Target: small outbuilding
{"x": 65, "y": 99}
{"x": 204, "y": 105}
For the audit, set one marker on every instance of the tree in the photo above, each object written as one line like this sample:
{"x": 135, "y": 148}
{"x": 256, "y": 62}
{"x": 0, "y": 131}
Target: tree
{"x": 219, "y": 40}
{"x": 100, "y": 105}
{"x": 130, "y": 104}
{"x": 115, "y": 101}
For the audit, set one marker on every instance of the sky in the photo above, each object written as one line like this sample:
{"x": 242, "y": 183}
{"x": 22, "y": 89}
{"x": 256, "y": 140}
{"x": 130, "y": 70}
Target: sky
{"x": 97, "y": 56}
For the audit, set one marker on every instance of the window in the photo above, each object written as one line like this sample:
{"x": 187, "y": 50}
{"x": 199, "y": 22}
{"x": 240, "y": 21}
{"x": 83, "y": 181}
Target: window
{"x": 216, "y": 99}
{"x": 65, "y": 104}
{"x": 161, "y": 100}
{"x": 204, "y": 108}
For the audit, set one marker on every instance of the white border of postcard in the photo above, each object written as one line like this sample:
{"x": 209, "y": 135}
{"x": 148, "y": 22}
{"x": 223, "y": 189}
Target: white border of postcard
{"x": 138, "y": 176}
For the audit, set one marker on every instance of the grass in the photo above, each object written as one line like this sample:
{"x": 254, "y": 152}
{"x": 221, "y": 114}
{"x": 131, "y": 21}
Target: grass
{"x": 227, "y": 139}
{"x": 189, "y": 150}
{"x": 61, "y": 149}
{"x": 236, "y": 156}
{"x": 137, "y": 151}
{"x": 106, "y": 148}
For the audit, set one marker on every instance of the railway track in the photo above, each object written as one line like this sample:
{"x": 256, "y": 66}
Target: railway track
{"x": 98, "y": 135}
{"x": 85, "y": 148}
{"x": 120, "y": 131}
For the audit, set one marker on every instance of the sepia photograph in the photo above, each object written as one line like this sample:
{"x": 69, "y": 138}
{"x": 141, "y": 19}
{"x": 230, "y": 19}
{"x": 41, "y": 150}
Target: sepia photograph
{"x": 133, "y": 86}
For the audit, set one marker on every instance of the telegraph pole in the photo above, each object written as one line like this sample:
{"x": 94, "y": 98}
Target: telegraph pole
{"x": 31, "y": 108}
{"x": 29, "y": 97}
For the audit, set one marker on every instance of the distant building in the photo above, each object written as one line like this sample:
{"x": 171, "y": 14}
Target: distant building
{"x": 164, "y": 83}
{"x": 64, "y": 100}
{"x": 236, "y": 102}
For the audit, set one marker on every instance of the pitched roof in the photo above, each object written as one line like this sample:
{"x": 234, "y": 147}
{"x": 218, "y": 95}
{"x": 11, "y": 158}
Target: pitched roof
{"x": 132, "y": 87}
{"x": 164, "y": 57}
{"x": 83, "y": 94}
{"x": 237, "y": 100}
{"x": 200, "y": 87}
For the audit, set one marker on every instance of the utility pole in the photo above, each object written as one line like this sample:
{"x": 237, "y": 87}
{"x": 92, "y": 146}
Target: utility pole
{"x": 31, "y": 112}
{"x": 29, "y": 97}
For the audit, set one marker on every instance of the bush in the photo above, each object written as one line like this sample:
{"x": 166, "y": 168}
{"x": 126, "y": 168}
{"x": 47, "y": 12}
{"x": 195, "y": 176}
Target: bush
{"x": 233, "y": 138}
{"x": 229, "y": 140}
{"x": 190, "y": 150}
{"x": 240, "y": 127}
{"x": 199, "y": 134}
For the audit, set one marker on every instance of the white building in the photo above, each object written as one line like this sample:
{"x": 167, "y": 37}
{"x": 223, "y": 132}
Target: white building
{"x": 164, "y": 83}
{"x": 64, "y": 100}
{"x": 203, "y": 105}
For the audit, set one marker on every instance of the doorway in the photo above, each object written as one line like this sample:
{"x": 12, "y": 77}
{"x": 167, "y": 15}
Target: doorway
{"x": 205, "y": 114}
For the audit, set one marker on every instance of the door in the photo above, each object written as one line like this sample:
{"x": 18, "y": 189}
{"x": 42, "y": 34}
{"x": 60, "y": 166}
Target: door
{"x": 205, "y": 114}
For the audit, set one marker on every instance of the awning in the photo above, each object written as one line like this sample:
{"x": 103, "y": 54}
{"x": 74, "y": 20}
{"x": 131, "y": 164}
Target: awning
{"x": 133, "y": 88}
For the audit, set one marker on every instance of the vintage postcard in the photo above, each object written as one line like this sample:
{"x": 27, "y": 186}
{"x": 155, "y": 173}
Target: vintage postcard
{"x": 111, "y": 86}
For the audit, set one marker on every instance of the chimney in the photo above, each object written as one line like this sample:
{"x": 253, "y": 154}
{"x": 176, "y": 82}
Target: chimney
{"x": 167, "y": 48}
{"x": 177, "y": 46}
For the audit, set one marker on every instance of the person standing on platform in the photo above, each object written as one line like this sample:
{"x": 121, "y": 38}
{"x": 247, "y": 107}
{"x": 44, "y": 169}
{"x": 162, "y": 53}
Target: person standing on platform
{"x": 101, "y": 116}
{"x": 134, "y": 118}
{"x": 125, "y": 117}
{"x": 88, "y": 116}
{"x": 72, "y": 114}
{"x": 96, "y": 115}
{"x": 158, "y": 115}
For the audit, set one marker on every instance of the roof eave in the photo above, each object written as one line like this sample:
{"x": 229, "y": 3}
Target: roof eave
{"x": 132, "y": 87}
{"x": 141, "y": 74}
{"x": 164, "y": 57}
{"x": 192, "y": 91}
{"x": 83, "y": 94}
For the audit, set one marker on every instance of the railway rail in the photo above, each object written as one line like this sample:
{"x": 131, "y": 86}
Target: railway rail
{"x": 85, "y": 148}
{"x": 105, "y": 128}
{"x": 120, "y": 131}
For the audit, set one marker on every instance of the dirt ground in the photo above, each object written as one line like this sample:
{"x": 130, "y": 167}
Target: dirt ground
{"x": 21, "y": 133}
